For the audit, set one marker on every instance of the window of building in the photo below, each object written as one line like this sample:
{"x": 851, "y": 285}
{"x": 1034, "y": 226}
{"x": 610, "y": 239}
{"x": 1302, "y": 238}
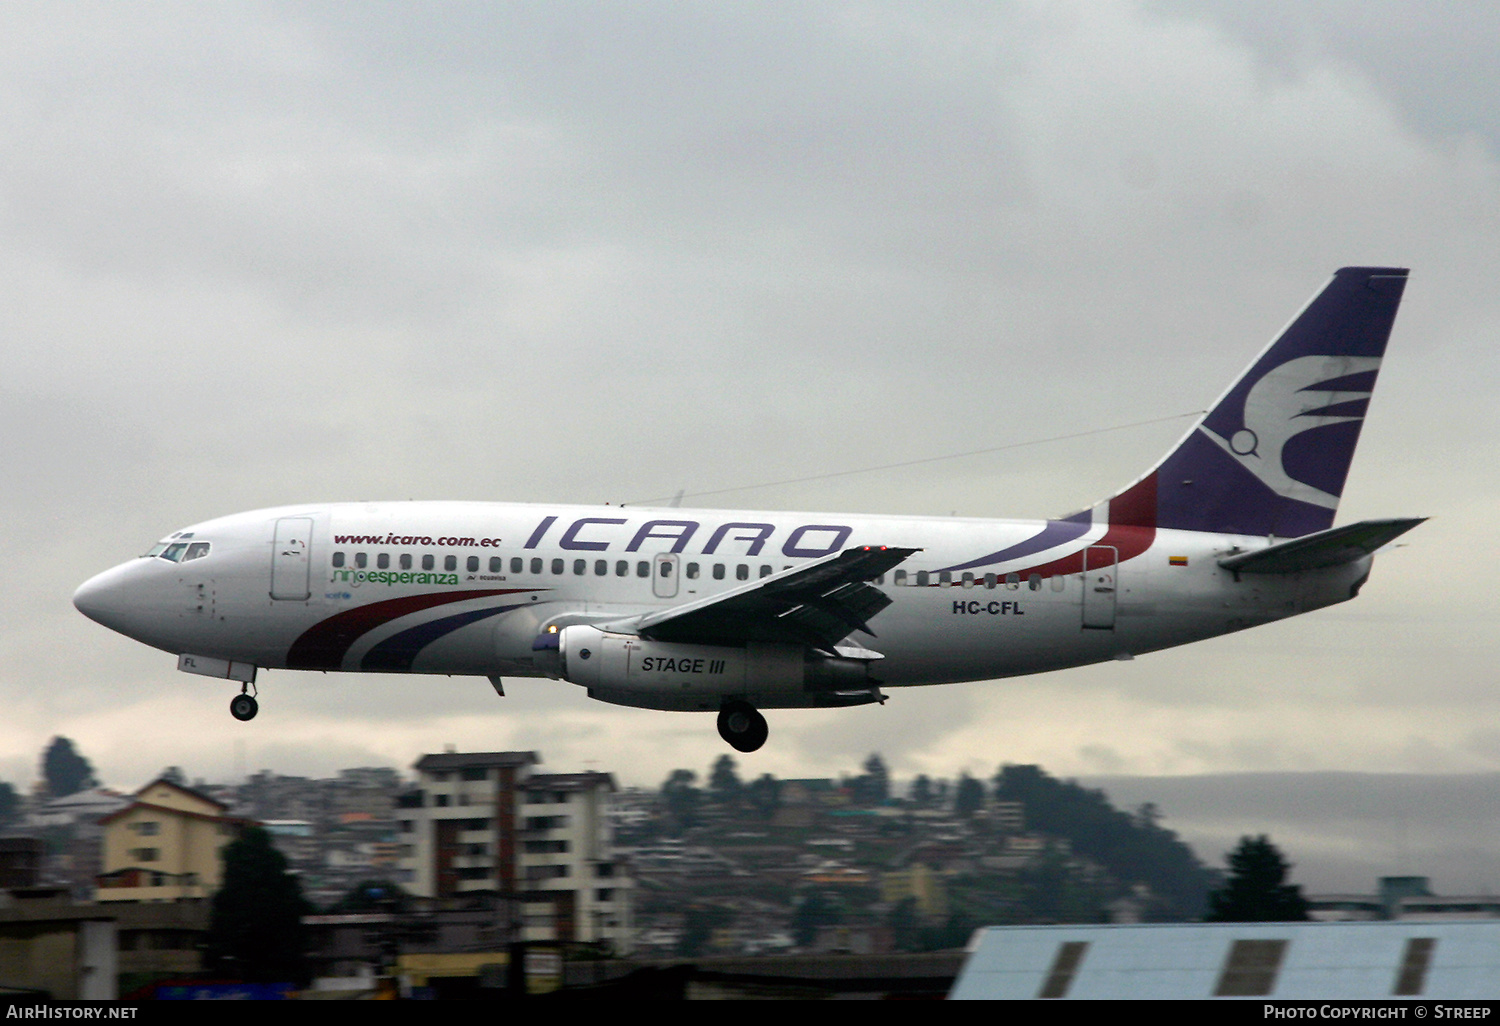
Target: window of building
{"x": 604, "y": 894}
{"x": 474, "y": 773}
{"x": 148, "y": 828}
{"x": 440, "y": 800}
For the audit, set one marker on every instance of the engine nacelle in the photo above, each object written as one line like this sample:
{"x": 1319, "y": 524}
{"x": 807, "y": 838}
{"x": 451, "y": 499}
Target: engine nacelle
{"x": 675, "y": 672}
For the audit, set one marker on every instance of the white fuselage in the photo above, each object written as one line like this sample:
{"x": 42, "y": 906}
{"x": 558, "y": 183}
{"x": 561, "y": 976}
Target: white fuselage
{"x": 467, "y": 587}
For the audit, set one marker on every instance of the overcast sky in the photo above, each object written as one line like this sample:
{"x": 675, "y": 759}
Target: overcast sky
{"x": 266, "y": 253}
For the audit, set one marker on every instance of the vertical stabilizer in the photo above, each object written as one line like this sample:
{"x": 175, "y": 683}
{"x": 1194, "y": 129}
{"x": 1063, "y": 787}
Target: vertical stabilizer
{"x": 1270, "y": 458}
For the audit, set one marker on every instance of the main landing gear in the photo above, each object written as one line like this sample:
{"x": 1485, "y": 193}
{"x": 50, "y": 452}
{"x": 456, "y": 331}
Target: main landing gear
{"x": 743, "y": 727}
{"x": 244, "y": 706}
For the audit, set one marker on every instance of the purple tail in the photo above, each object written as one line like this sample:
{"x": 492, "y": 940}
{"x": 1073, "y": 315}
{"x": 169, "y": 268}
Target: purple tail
{"x": 1271, "y": 456}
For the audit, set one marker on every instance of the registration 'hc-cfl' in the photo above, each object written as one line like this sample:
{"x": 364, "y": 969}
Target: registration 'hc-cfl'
{"x": 730, "y": 612}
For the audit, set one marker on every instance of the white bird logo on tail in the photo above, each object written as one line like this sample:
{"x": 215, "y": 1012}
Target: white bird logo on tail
{"x": 1282, "y": 405}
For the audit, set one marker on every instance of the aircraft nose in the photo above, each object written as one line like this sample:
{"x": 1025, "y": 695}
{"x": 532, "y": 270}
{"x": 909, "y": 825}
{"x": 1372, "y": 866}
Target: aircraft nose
{"x": 104, "y": 598}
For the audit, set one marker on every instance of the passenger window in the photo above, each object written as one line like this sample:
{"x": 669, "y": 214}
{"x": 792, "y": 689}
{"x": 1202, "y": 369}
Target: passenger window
{"x": 428, "y": 562}
{"x": 1012, "y": 582}
{"x": 601, "y": 568}
{"x": 496, "y": 564}
{"x": 557, "y": 566}
{"x": 922, "y": 578}
{"x": 622, "y": 568}
{"x": 471, "y": 565}
{"x": 338, "y": 559}
{"x": 765, "y": 571}
{"x": 197, "y": 550}
{"x": 967, "y": 580}
{"x": 1059, "y": 583}
{"x": 406, "y": 560}
{"x": 360, "y": 560}
{"x": 643, "y": 569}
{"x": 944, "y": 577}
{"x": 718, "y": 571}
{"x": 666, "y": 570}
{"x": 880, "y": 580}
{"x": 580, "y": 567}
{"x": 692, "y": 571}
{"x": 990, "y": 580}
{"x": 900, "y": 579}
{"x": 450, "y": 563}
{"x": 742, "y": 572}
{"x": 1034, "y": 582}
{"x": 516, "y": 563}
{"x": 536, "y": 564}
{"x": 383, "y": 561}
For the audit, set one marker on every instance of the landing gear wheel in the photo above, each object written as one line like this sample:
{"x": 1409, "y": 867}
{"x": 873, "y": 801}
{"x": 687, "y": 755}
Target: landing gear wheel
{"x": 243, "y": 707}
{"x": 743, "y": 727}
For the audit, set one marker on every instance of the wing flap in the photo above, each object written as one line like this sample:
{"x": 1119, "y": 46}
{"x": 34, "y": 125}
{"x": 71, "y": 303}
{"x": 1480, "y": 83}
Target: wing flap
{"x": 1333, "y": 547}
{"x": 819, "y": 603}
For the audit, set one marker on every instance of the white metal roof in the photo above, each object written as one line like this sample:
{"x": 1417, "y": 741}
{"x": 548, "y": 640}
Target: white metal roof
{"x": 1314, "y": 961}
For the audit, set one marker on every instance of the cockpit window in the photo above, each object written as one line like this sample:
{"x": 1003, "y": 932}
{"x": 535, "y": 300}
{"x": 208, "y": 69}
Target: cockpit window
{"x": 179, "y": 551}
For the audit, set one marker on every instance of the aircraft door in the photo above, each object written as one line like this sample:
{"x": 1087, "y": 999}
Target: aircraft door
{"x": 1101, "y": 575}
{"x": 664, "y": 570}
{"x": 290, "y": 562}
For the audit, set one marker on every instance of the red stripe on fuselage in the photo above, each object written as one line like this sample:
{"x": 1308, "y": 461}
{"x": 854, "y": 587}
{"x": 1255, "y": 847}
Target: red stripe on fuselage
{"x": 324, "y": 645}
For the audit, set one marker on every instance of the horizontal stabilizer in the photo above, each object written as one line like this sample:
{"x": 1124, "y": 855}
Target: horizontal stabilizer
{"x": 1333, "y": 547}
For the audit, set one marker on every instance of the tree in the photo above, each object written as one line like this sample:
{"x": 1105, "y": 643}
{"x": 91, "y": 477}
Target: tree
{"x": 723, "y": 781}
{"x": 764, "y": 795}
{"x": 921, "y": 789}
{"x": 10, "y": 804}
{"x": 65, "y": 771}
{"x": 681, "y": 798}
{"x": 173, "y": 775}
{"x": 255, "y": 927}
{"x": 969, "y": 796}
{"x": 874, "y": 786}
{"x": 1256, "y": 890}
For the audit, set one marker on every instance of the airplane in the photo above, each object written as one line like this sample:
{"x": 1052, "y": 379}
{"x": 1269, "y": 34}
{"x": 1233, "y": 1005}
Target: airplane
{"x": 733, "y": 612}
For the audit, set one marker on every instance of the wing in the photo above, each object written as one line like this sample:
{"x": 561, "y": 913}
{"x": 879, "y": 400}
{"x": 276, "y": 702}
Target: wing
{"x": 818, "y": 604}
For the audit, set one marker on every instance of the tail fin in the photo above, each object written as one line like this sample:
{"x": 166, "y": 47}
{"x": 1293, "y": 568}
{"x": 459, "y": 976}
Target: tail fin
{"x": 1271, "y": 456}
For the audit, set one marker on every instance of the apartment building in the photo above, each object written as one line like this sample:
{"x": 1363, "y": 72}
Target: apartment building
{"x": 487, "y": 823}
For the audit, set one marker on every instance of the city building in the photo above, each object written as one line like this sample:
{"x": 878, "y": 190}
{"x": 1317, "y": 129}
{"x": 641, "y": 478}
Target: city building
{"x": 164, "y": 845}
{"x": 487, "y": 824}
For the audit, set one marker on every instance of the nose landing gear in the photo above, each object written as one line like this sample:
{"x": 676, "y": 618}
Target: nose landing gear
{"x": 244, "y": 706}
{"x": 742, "y": 726}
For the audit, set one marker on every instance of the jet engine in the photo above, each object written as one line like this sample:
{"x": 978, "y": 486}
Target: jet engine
{"x": 667, "y": 674}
